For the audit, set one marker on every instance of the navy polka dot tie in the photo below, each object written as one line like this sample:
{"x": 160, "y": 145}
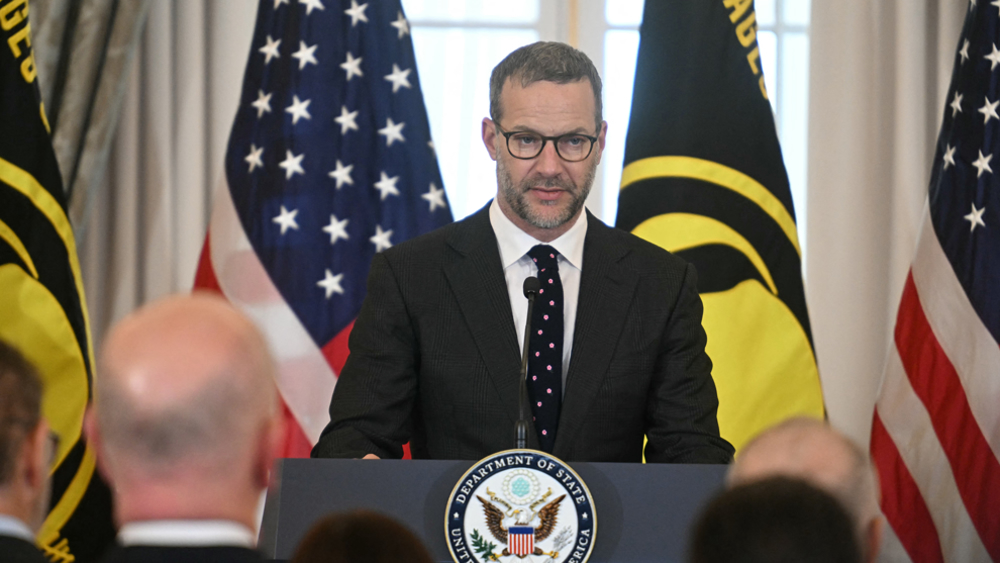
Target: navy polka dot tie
{"x": 545, "y": 347}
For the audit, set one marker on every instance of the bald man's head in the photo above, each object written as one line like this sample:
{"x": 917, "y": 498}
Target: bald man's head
{"x": 186, "y": 387}
{"x": 811, "y": 450}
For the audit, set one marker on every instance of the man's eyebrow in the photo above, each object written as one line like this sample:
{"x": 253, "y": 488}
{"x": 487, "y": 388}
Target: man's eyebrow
{"x": 578, "y": 131}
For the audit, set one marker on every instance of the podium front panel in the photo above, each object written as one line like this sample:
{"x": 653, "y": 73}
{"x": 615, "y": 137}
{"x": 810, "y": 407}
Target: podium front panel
{"x": 644, "y": 512}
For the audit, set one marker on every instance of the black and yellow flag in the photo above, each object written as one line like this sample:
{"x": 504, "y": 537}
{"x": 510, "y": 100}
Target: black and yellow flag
{"x": 704, "y": 179}
{"x": 42, "y": 307}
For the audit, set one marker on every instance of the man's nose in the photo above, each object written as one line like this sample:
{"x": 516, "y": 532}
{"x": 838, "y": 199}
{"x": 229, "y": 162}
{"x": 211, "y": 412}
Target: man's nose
{"x": 549, "y": 162}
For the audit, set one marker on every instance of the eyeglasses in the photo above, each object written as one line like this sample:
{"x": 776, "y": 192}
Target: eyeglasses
{"x": 525, "y": 145}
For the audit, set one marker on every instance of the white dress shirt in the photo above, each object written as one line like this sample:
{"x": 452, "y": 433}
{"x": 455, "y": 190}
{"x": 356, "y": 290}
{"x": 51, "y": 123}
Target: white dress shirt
{"x": 12, "y": 527}
{"x": 186, "y": 533}
{"x": 514, "y": 246}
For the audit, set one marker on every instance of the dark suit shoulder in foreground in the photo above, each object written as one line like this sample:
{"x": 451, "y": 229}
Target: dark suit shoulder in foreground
{"x": 16, "y": 550}
{"x": 164, "y": 554}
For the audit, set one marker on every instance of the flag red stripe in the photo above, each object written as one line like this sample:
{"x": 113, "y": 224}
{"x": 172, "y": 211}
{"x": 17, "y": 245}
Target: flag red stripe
{"x": 934, "y": 380}
{"x": 336, "y": 350}
{"x": 295, "y": 443}
{"x": 902, "y": 503}
{"x": 204, "y": 277}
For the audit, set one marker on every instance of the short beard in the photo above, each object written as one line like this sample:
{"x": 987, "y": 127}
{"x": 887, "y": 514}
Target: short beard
{"x": 515, "y": 196}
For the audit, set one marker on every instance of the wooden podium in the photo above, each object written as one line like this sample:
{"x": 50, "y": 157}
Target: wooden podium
{"x": 644, "y": 512}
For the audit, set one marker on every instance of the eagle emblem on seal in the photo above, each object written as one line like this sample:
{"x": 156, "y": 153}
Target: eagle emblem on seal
{"x": 519, "y": 528}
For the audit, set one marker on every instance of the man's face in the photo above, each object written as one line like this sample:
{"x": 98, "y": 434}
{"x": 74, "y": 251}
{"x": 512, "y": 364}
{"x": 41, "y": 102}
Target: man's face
{"x": 545, "y": 194}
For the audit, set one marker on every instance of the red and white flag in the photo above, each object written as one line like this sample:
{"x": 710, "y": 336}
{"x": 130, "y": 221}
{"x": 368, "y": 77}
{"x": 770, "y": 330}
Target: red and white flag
{"x": 936, "y": 429}
{"x": 329, "y": 161}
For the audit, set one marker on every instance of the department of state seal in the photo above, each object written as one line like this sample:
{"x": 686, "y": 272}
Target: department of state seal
{"x": 520, "y": 505}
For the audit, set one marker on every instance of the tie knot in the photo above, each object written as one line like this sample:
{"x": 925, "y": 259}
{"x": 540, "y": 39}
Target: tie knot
{"x": 544, "y": 256}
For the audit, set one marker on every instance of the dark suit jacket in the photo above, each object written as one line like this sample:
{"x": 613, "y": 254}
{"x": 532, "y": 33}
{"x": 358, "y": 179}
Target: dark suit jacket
{"x": 16, "y": 550}
{"x": 161, "y": 554}
{"x": 435, "y": 360}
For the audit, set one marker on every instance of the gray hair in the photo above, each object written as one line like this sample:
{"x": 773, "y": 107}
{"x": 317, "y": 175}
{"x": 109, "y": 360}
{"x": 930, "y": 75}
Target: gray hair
{"x": 548, "y": 61}
{"x": 213, "y": 423}
{"x": 20, "y": 405}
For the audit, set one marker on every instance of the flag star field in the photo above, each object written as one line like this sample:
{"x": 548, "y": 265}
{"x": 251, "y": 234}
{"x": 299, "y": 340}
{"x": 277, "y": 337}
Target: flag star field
{"x": 330, "y": 158}
{"x": 965, "y": 189}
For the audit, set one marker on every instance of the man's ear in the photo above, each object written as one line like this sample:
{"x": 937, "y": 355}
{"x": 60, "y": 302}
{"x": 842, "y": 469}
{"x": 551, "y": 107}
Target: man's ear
{"x": 268, "y": 449}
{"x": 93, "y": 434}
{"x": 601, "y": 138}
{"x": 36, "y": 455}
{"x": 873, "y": 540}
{"x": 490, "y": 137}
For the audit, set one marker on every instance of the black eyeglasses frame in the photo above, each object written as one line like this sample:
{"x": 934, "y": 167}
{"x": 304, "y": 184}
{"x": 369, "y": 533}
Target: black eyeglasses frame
{"x": 555, "y": 143}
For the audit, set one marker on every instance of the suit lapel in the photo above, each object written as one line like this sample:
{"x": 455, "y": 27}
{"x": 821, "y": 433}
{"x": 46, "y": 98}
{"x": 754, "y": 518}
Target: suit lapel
{"x": 606, "y": 291}
{"x": 476, "y": 277}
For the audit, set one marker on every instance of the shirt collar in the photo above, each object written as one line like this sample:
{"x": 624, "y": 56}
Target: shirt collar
{"x": 515, "y": 243}
{"x": 186, "y": 533}
{"x": 10, "y": 526}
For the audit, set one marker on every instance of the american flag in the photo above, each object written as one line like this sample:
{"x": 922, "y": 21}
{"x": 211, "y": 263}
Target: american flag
{"x": 330, "y": 160}
{"x": 936, "y": 429}
{"x": 521, "y": 540}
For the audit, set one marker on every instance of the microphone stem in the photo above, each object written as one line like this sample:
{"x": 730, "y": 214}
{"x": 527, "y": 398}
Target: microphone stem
{"x": 522, "y": 423}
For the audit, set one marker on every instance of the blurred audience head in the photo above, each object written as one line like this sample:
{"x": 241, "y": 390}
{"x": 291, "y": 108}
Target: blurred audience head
{"x": 774, "y": 520}
{"x": 812, "y": 450}
{"x": 360, "y": 537}
{"x": 186, "y": 416}
{"x": 25, "y": 448}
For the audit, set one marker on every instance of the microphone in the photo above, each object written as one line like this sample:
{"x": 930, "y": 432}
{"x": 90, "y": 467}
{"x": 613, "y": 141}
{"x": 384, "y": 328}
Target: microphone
{"x": 531, "y": 287}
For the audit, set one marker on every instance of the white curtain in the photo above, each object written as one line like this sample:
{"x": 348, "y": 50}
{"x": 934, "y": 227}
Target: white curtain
{"x": 145, "y": 232}
{"x": 83, "y": 52}
{"x": 879, "y": 74}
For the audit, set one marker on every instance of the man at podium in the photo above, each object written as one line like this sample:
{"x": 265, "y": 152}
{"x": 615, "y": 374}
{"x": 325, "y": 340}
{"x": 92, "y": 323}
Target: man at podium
{"x": 616, "y": 350}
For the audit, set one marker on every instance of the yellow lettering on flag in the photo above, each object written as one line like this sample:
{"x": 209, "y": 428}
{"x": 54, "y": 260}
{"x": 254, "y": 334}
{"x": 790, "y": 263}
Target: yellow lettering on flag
{"x": 10, "y": 16}
{"x": 739, "y": 8}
